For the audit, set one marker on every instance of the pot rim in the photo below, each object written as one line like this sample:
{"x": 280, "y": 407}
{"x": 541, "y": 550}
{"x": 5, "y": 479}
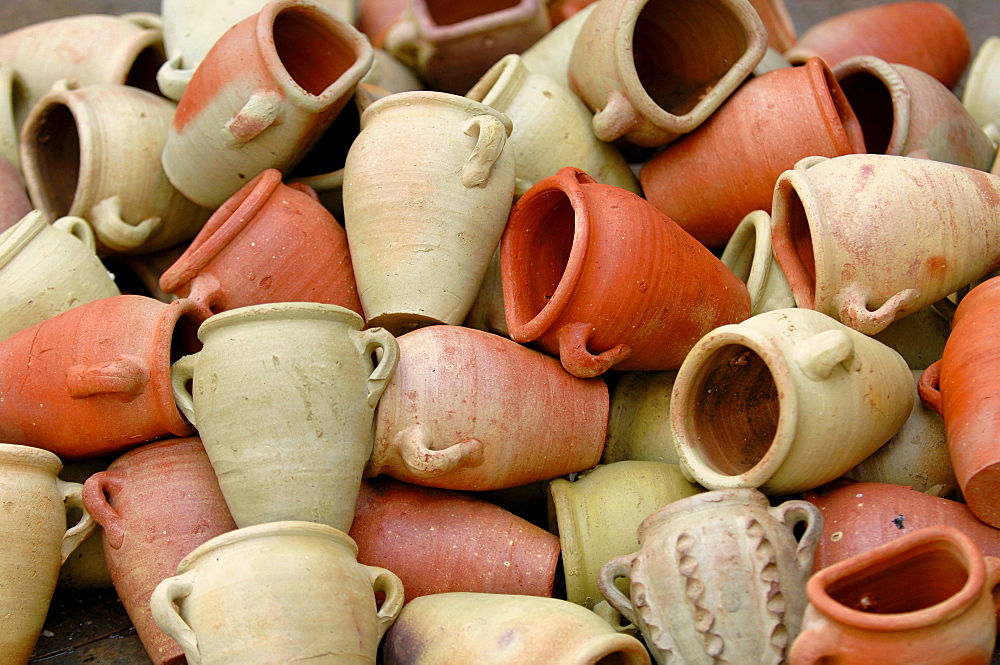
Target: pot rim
{"x": 501, "y": 82}
{"x": 18, "y": 236}
{"x": 15, "y": 453}
{"x": 899, "y": 94}
{"x": 412, "y": 98}
{"x": 289, "y": 310}
{"x": 843, "y": 124}
{"x": 702, "y": 501}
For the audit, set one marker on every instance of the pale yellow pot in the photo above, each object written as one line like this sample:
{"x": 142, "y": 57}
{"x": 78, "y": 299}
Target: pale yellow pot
{"x": 639, "y": 422}
{"x": 981, "y": 94}
{"x": 749, "y": 255}
{"x": 550, "y": 54}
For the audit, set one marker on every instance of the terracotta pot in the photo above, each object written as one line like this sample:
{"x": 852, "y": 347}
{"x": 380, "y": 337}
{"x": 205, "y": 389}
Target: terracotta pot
{"x": 836, "y": 235}
{"x": 905, "y": 111}
{"x": 451, "y": 44}
{"x": 749, "y": 255}
{"x": 709, "y": 180}
{"x": 420, "y": 255}
{"x": 268, "y": 243}
{"x": 156, "y": 504}
{"x": 505, "y": 630}
{"x": 375, "y": 16}
{"x": 960, "y": 388}
{"x": 46, "y": 270}
{"x": 550, "y": 55}
{"x": 653, "y": 70}
{"x": 696, "y": 556}
{"x": 261, "y": 97}
{"x": 283, "y": 396}
{"x": 594, "y": 274}
{"x": 858, "y": 517}
{"x": 14, "y": 203}
{"x": 785, "y": 401}
{"x": 37, "y": 542}
{"x": 639, "y": 420}
{"x": 778, "y": 23}
{"x": 78, "y": 385}
{"x": 295, "y": 584}
{"x": 979, "y": 93}
{"x": 474, "y": 411}
{"x": 868, "y": 608}
{"x": 925, "y": 35}
{"x": 87, "y": 153}
{"x": 597, "y": 517}
{"x": 438, "y": 541}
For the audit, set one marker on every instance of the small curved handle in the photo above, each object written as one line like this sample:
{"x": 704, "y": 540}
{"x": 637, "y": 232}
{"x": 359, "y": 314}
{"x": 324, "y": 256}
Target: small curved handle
{"x": 792, "y": 513}
{"x": 604, "y": 610}
{"x": 368, "y": 341}
{"x": 148, "y": 20}
{"x": 491, "y": 137}
{"x": 411, "y": 446}
{"x": 855, "y": 314}
{"x": 207, "y": 294}
{"x": 78, "y": 228}
{"x": 124, "y": 378}
{"x": 818, "y": 355}
{"x": 172, "y": 79}
{"x": 260, "y": 112}
{"x": 163, "y": 607}
{"x": 618, "y": 117}
{"x": 618, "y": 567}
{"x": 815, "y": 645}
{"x": 181, "y": 372}
{"x": 96, "y": 490}
{"x": 388, "y": 583}
{"x": 929, "y": 387}
{"x": 116, "y": 233}
{"x": 993, "y": 580}
{"x": 580, "y": 362}
{"x": 72, "y": 495}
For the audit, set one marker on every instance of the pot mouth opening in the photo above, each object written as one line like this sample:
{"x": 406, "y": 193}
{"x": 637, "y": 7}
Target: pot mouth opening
{"x": 310, "y": 50}
{"x": 793, "y": 243}
{"x": 873, "y": 106}
{"x": 142, "y": 73}
{"x": 54, "y": 158}
{"x": 450, "y": 12}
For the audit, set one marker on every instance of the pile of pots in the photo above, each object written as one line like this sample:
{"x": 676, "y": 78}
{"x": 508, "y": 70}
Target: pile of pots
{"x": 652, "y": 331}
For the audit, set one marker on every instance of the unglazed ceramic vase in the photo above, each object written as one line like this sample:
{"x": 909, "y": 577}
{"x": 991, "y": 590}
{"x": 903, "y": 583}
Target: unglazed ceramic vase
{"x": 14, "y": 203}
{"x": 551, "y": 127}
{"x": 94, "y": 380}
{"x": 920, "y": 337}
{"x": 719, "y": 577}
{"x": 836, "y": 234}
{"x": 451, "y": 44}
{"x": 653, "y": 70}
{"x": 925, "y": 35}
{"x": 439, "y": 541}
{"x": 46, "y": 270}
{"x": 927, "y": 598}
{"x": 300, "y": 591}
{"x": 750, "y": 256}
{"x": 595, "y": 274}
{"x": 92, "y": 153}
{"x": 785, "y": 401}
{"x": 156, "y": 504}
{"x": 269, "y": 242}
{"x": 778, "y": 23}
{"x": 980, "y": 94}
{"x": 597, "y": 517}
{"x": 639, "y": 419}
{"x": 283, "y": 396}
{"x": 905, "y": 111}
{"x": 550, "y": 55}
{"x": 261, "y": 97}
{"x": 420, "y": 254}
{"x": 33, "y": 521}
{"x": 710, "y": 179}
{"x": 487, "y": 311}
{"x": 960, "y": 387}
{"x": 497, "y": 629}
{"x": 473, "y": 411}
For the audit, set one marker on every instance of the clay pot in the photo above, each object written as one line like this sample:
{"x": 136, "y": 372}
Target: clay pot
{"x": 420, "y": 255}
{"x": 925, "y": 35}
{"x": 595, "y": 274}
{"x": 156, "y": 504}
{"x": 46, "y": 270}
{"x": 94, "y": 380}
{"x": 12, "y": 113}
{"x": 37, "y": 542}
{"x": 778, "y": 23}
{"x": 14, "y": 203}
{"x": 551, "y": 127}
{"x": 505, "y": 630}
{"x": 869, "y": 608}
{"x": 300, "y": 592}
{"x": 836, "y": 235}
{"x": 980, "y": 95}
{"x": 487, "y": 311}
{"x": 785, "y": 401}
{"x": 264, "y": 93}
{"x": 905, "y": 111}
{"x": 920, "y": 337}
{"x": 269, "y": 242}
{"x": 283, "y": 396}
{"x": 451, "y": 44}
{"x": 550, "y": 55}
{"x": 749, "y": 255}
{"x": 145, "y": 270}
{"x": 697, "y": 556}
{"x": 86, "y": 568}
{"x": 712, "y": 178}
{"x": 653, "y": 70}
{"x": 560, "y": 10}
{"x": 375, "y": 16}
{"x": 474, "y": 411}
{"x": 639, "y": 420}
{"x": 960, "y": 388}
{"x": 597, "y": 517}
{"x": 87, "y": 153}
{"x": 439, "y": 541}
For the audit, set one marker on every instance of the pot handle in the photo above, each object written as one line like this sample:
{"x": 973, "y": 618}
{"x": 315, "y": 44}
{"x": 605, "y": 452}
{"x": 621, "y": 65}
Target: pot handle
{"x": 792, "y": 513}
{"x": 929, "y": 387}
{"x": 618, "y": 567}
{"x": 993, "y": 580}
{"x": 125, "y": 378}
{"x": 412, "y": 448}
{"x": 72, "y": 495}
{"x": 78, "y": 228}
{"x": 181, "y": 372}
{"x": 580, "y": 362}
{"x": 112, "y": 229}
{"x": 815, "y": 645}
{"x": 260, "y": 112}
{"x": 388, "y": 583}
{"x": 162, "y": 605}
{"x": 618, "y": 117}
{"x": 491, "y": 137}
{"x": 402, "y": 40}
{"x": 855, "y": 314}
{"x": 209, "y": 296}
{"x": 96, "y": 490}
{"x": 368, "y": 341}
{"x": 171, "y": 78}
{"x": 818, "y": 355}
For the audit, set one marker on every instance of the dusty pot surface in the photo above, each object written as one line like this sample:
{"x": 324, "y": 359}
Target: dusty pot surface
{"x": 639, "y": 419}
{"x": 980, "y": 95}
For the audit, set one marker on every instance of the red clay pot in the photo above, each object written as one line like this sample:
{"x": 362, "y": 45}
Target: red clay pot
{"x": 438, "y": 541}
{"x": 962, "y": 387}
{"x": 268, "y": 243}
{"x": 156, "y": 504}
{"x": 95, "y": 380}
{"x": 710, "y": 179}
{"x": 601, "y": 278}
